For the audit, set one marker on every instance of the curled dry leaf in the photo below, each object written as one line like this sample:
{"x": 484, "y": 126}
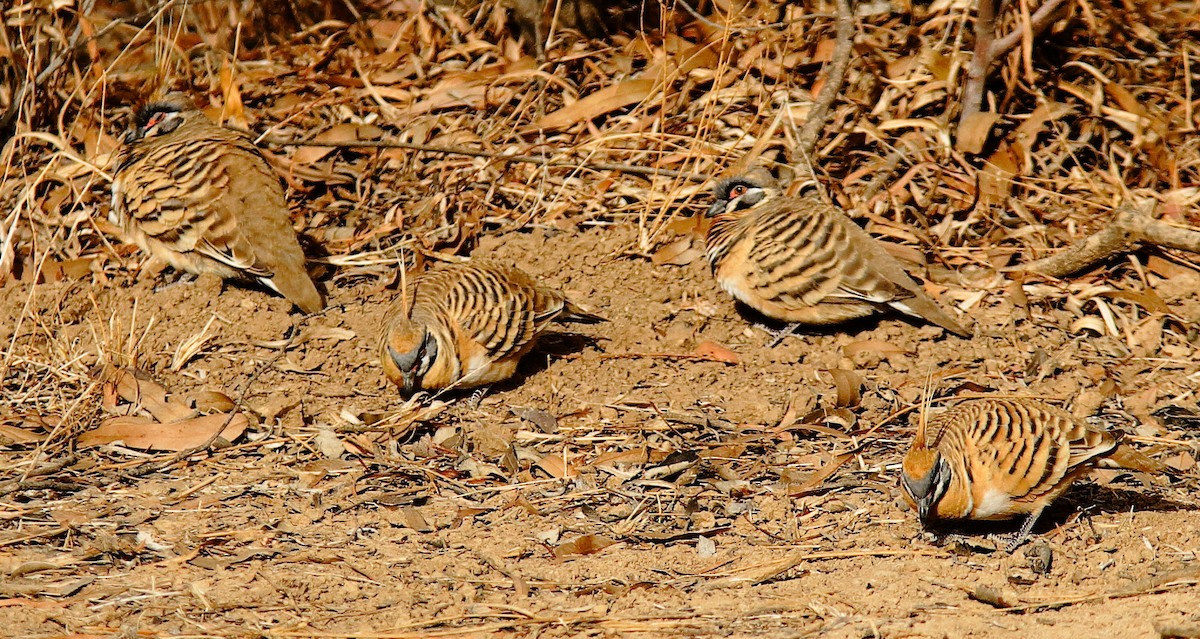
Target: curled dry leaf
{"x": 73, "y": 269}
{"x": 1182, "y": 461}
{"x": 557, "y": 467}
{"x": 339, "y": 134}
{"x": 149, "y": 396}
{"x": 11, "y": 435}
{"x": 21, "y": 588}
{"x": 415, "y": 519}
{"x": 147, "y": 434}
{"x": 974, "y": 130}
{"x": 823, "y": 473}
{"x": 1089, "y": 323}
{"x": 716, "y": 352}
{"x": 1146, "y": 298}
{"x": 585, "y": 545}
{"x": 841, "y": 417}
{"x": 618, "y": 458}
{"x": 211, "y": 400}
{"x": 816, "y": 419}
{"x": 608, "y": 99}
{"x": 681, "y": 252}
{"x": 849, "y": 387}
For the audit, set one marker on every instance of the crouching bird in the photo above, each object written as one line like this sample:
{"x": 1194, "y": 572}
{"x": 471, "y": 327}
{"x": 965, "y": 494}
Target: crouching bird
{"x": 991, "y": 459}
{"x": 468, "y": 325}
{"x": 802, "y": 261}
{"x": 202, "y": 198}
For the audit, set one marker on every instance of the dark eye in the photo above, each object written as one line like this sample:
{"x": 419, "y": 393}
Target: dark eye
{"x": 737, "y": 191}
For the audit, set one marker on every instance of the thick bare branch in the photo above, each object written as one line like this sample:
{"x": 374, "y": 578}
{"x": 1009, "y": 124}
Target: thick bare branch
{"x": 1128, "y": 228}
{"x": 988, "y": 48}
{"x": 1160, "y": 233}
{"x": 1042, "y": 18}
{"x": 981, "y": 61}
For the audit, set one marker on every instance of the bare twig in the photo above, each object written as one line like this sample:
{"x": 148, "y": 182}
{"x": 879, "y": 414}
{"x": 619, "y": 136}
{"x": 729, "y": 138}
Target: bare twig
{"x": 1128, "y": 228}
{"x": 503, "y": 157}
{"x": 27, "y": 483}
{"x": 883, "y": 175}
{"x": 1176, "y": 578}
{"x": 768, "y": 571}
{"x": 520, "y": 586}
{"x": 806, "y": 141}
{"x": 1041, "y": 18}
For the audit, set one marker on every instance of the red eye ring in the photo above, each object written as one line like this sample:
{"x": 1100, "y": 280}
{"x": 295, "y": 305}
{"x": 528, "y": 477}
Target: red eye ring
{"x": 737, "y": 191}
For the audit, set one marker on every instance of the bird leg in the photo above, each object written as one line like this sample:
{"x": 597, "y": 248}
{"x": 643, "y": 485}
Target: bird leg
{"x": 477, "y": 396}
{"x": 1022, "y": 535}
{"x": 170, "y": 281}
{"x": 780, "y": 334}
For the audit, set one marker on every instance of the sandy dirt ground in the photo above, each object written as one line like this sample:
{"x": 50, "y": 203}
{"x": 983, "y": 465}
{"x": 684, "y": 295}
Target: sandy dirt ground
{"x": 627, "y": 484}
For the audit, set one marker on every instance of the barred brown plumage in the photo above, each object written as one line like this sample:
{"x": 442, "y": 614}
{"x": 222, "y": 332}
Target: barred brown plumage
{"x": 202, "y": 198}
{"x": 467, "y": 325}
{"x": 802, "y": 261}
{"x": 986, "y": 459}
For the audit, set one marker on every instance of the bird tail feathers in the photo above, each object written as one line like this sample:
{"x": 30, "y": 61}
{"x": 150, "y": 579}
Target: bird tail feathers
{"x": 573, "y": 312}
{"x": 930, "y": 311}
{"x": 1124, "y": 456}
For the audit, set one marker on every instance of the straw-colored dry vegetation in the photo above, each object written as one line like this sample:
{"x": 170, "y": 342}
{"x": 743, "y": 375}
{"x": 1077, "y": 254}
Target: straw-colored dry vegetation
{"x": 181, "y": 463}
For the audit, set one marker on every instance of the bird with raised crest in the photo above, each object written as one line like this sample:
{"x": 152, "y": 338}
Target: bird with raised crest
{"x": 467, "y": 325}
{"x": 202, "y": 198}
{"x": 804, "y": 262}
{"x": 1001, "y": 458}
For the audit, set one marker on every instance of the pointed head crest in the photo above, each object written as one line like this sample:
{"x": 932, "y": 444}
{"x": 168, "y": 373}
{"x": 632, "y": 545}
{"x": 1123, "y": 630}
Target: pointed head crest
{"x": 920, "y": 440}
{"x": 924, "y": 474}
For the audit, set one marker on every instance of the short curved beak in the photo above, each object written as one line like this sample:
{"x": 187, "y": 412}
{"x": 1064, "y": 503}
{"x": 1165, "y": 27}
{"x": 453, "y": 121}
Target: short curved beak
{"x": 717, "y": 208}
{"x": 408, "y": 379}
{"x": 923, "y": 511}
{"x": 408, "y": 382}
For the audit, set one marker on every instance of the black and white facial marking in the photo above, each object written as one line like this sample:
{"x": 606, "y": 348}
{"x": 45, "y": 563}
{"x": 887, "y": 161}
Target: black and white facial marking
{"x": 736, "y": 194}
{"x": 416, "y": 363}
{"x": 159, "y": 118}
{"x": 927, "y": 491}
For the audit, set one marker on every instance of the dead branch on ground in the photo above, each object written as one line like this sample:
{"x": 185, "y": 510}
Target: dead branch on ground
{"x": 1130, "y": 227}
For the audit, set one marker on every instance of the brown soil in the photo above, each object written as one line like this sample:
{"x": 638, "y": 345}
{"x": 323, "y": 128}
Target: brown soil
{"x": 337, "y": 514}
